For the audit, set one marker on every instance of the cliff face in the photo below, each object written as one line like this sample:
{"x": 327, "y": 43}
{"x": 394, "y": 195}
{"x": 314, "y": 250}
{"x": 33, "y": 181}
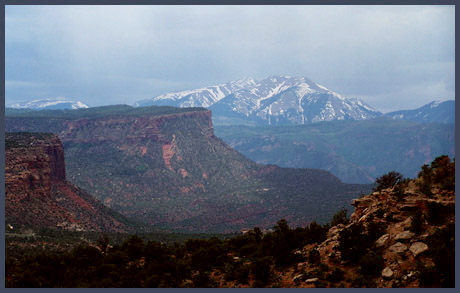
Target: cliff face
{"x": 34, "y": 162}
{"x": 170, "y": 171}
{"x": 37, "y": 193}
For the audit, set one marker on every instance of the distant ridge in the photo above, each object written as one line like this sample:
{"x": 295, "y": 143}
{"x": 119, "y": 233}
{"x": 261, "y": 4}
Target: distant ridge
{"x": 50, "y": 104}
{"x": 434, "y": 112}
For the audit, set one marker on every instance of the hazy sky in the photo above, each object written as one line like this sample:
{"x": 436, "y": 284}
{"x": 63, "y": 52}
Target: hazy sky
{"x": 393, "y": 57}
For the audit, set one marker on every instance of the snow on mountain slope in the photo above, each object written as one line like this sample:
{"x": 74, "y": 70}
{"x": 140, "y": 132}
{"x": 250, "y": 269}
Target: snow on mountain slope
{"x": 50, "y": 104}
{"x": 274, "y": 100}
{"x": 434, "y": 112}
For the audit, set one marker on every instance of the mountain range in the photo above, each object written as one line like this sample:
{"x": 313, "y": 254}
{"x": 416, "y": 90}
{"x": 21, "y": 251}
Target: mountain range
{"x": 276, "y": 100}
{"x": 49, "y": 104}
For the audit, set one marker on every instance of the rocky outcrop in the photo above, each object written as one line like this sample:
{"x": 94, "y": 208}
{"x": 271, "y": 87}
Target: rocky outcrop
{"x": 38, "y": 195}
{"x": 402, "y": 228}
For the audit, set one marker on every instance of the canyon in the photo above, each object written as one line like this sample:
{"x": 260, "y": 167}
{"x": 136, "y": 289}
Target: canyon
{"x": 164, "y": 166}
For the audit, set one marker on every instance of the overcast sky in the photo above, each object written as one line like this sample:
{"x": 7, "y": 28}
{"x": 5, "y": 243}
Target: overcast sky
{"x": 392, "y": 57}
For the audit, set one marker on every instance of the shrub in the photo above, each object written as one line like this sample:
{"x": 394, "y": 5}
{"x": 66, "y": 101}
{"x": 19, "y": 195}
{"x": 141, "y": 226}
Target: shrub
{"x": 375, "y": 230}
{"x": 315, "y": 233}
{"x": 202, "y": 280}
{"x": 262, "y": 271}
{"x": 313, "y": 256}
{"x": 352, "y": 242}
{"x": 134, "y": 247}
{"x": 335, "y": 276}
{"x": 437, "y": 213}
{"x": 398, "y": 191}
{"x": 371, "y": 264}
{"x": 417, "y": 222}
{"x": 379, "y": 213}
{"x": 442, "y": 249}
{"x": 363, "y": 282}
{"x": 388, "y": 180}
{"x": 340, "y": 218}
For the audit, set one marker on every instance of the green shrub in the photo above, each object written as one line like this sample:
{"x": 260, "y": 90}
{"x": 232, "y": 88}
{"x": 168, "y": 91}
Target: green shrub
{"x": 417, "y": 222}
{"x": 388, "y": 180}
{"x": 336, "y": 276}
{"x": 398, "y": 191}
{"x": 340, "y": 218}
{"x": 352, "y": 242}
{"x": 379, "y": 213}
{"x": 314, "y": 257}
{"x": 437, "y": 212}
{"x": 261, "y": 269}
{"x": 371, "y": 264}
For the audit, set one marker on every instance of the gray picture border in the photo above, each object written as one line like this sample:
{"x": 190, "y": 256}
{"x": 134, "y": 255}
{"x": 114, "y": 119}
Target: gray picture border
{"x": 185, "y": 2}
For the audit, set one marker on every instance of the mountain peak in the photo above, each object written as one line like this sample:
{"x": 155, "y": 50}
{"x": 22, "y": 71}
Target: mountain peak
{"x": 50, "y": 104}
{"x": 275, "y": 100}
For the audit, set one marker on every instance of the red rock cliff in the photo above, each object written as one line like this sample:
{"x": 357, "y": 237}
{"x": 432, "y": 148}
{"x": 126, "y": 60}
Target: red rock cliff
{"x": 37, "y": 194}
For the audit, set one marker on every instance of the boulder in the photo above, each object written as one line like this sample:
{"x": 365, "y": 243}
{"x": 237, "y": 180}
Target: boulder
{"x": 383, "y": 240}
{"x": 406, "y": 235}
{"x": 407, "y": 223}
{"x": 312, "y": 280}
{"x": 297, "y": 277}
{"x": 418, "y": 247}
{"x": 398, "y": 247}
{"x": 387, "y": 273}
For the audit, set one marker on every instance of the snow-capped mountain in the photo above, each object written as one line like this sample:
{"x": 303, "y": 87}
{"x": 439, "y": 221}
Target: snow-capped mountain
{"x": 434, "y": 112}
{"x": 50, "y": 104}
{"x": 202, "y": 97}
{"x": 275, "y": 100}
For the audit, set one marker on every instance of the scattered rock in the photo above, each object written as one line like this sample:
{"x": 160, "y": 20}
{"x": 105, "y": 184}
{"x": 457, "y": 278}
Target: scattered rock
{"x": 404, "y": 235}
{"x": 418, "y": 247}
{"x": 382, "y": 241}
{"x": 297, "y": 277}
{"x": 301, "y": 265}
{"x": 312, "y": 280}
{"x": 407, "y": 223}
{"x": 398, "y": 247}
{"x": 387, "y": 273}
{"x": 362, "y": 218}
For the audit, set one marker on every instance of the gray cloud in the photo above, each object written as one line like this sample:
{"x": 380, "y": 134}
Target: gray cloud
{"x": 394, "y": 57}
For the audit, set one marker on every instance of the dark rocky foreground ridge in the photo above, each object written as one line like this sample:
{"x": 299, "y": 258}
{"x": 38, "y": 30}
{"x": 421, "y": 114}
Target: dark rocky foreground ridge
{"x": 402, "y": 235}
{"x": 165, "y": 167}
{"x": 38, "y": 196}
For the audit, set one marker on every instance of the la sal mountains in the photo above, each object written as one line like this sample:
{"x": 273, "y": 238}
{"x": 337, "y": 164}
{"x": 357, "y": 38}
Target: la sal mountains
{"x": 276, "y": 100}
{"x": 49, "y": 104}
{"x": 287, "y": 100}
{"x": 165, "y": 167}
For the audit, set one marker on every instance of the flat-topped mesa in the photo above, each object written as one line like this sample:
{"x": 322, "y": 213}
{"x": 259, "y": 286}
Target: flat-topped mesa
{"x": 125, "y": 128}
{"x": 112, "y": 123}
